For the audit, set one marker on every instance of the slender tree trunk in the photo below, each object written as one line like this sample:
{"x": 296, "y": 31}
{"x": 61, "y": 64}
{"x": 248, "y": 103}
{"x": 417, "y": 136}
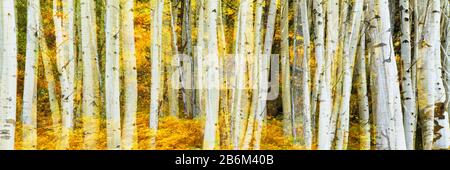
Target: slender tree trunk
{"x": 198, "y": 62}
{"x": 305, "y": 78}
{"x": 51, "y": 84}
{"x": 112, "y": 71}
{"x": 350, "y": 46}
{"x": 29, "y": 106}
{"x": 64, "y": 15}
{"x": 129, "y": 133}
{"x": 186, "y": 43}
{"x": 264, "y": 73}
{"x": 156, "y": 85}
{"x": 426, "y": 73}
{"x": 238, "y": 108}
{"x": 8, "y": 80}
{"x": 91, "y": 105}
{"x": 172, "y": 63}
{"x": 445, "y": 22}
{"x": 408, "y": 94}
{"x": 363, "y": 99}
{"x": 319, "y": 84}
{"x": 285, "y": 71}
{"x": 249, "y": 134}
{"x": 212, "y": 77}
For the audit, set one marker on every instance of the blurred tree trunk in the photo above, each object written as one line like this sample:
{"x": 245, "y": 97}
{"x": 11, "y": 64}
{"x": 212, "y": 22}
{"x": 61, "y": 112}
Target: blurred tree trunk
{"x": 362, "y": 93}
{"x": 249, "y": 133}
{"x": 174, "y": 67}
{"x": 199, "y": 82}
{"x": 156, "y": 84}
{"x": 350, "y": 45}
{"x": 186, "y": 44}
{"x": 63, "y": 16}
{"x": 51, "y": 83}
{"x": 264, "y": 73}
{"x": 237, "y": 107}
{"x": 129, "y": 132}
{"x": 286, "y": 71}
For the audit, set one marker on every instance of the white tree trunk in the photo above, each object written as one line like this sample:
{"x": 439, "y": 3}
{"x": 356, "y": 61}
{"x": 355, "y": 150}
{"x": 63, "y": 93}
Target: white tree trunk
{"x": 129, "y": 131}
{"x": 238, "y": 109}
{"x": 363, "y": 99}
{"x": 112, "y": 79}
{"x": 445, "y": 56}
{"x": 90, "y": 77}
{"x": 305, "y": 78}
{"x": 29, "y": 106}
{"x": 63, "y": 16}
{"x": 156, "y": 57}
{"x": 285, "y": 71}
{"x": 350, "y": 45}
{"x": 264, "y": 73}
{"x": 8, "y": 80}
{"x": 212, "y": 77}
{"x": 426, "y": 72}
{"x": 320, "y": 84}
{"x": 249, "y": 136}
{"x": 386, "y": 97}
{"x": 408, "y": 92}
{"x": 199, "y": 69}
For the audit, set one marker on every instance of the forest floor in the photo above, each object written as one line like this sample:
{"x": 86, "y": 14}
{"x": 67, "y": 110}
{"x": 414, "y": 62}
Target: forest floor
{"x": 173, "y": 134}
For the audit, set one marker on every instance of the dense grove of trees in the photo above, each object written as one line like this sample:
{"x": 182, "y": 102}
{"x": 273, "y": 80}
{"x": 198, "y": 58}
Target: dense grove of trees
{"x": 339, "y": 74}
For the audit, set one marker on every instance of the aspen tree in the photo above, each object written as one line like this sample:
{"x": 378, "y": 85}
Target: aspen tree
{"x": 251, "y": 81}
{"x": 337, "y": 65}
{"x": 319, "y": 80}
{"x": 129, "y": 129}
{"x": 264, "y": 73}
{"x": 212, "y": 77}
{"x": 350, "y": 46}
{"x": 445, "y": 22}
{"x": 172, "y": 63}
{"x": 426, "y": 72}
{"x": 238, "y": 109}
{"x": 156, "y": 57}
{"x": 386, "y": 94}
{"x": 29, "y": 107}
{"x": 285, "y": 71}
{"x": 63, "y": 16}
{"x": 441, "y": 138}
{"x": 112, "y": 80}
{"x": 362, "y": 92}
{"x": 249, "y": 136}
{"x": 198, "y": 61}
{"x": 91, "y": 103}
{"x": 186, "y": 42}
{"x": 408, "y": 94}
{"x": 51, "y": 82}
{"x": 305, "y": 78}
{"x": 8, "y": 79}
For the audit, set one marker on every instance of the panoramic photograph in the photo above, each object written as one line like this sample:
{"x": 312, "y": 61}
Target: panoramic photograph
{"x": 224, "y": 75}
